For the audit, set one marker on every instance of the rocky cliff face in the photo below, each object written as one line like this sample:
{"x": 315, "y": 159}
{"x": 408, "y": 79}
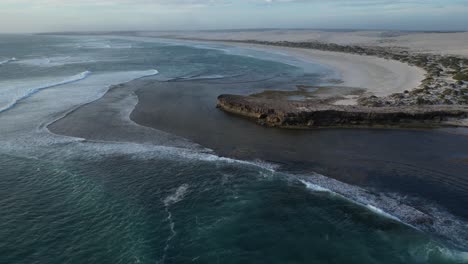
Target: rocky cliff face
{"x": 295, "y": 114}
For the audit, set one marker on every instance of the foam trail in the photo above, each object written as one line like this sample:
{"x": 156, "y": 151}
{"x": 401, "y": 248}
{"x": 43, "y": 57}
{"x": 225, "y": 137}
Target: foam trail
{"x": 382, "y": 213}
{"x": 315, "y": 187}
{"x": 202, "y": 77}
{"x": 431, "y": 250}
{"x": 177, "y": 196}
{"x": 354, "y": 195}
{"x": 7, "y": 61}
{"x": 32, "y": 91}
{"x": 214, "y": 158}
{"x": 55, "y": 61}
{"x": 174, "y": 198}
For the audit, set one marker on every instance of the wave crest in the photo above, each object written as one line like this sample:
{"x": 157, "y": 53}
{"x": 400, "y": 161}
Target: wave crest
{"x": 425, "y": 217}
{"x": 29, "y": 92}
{"x": 7, "y": 61}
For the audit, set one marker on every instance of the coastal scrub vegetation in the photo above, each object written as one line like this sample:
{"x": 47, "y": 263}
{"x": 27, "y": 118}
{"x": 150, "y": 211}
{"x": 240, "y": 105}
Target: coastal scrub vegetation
{"x": 461, "y": 76}
{"x": 446, "y": 77}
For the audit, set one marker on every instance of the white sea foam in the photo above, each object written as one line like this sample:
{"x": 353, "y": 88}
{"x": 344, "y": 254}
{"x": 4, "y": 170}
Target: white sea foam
{"x": 203, "y": 77}
{"x": 174, "y": 198}
{"x": 7, "y": 61}
{"x": 54, "y": 61}
{"x": 104, "y": 44}
{"x": 425, "y": 252}
{"x": 315, "y": 187}
{"x": 215, "y": 158}
{"x": 94, "y": 89}
{"x": 177, "y": 196}
{"x": 25, "y": 93}
{"x": 426, "y": 216}
{"x": 454, "y": 255}
{"x": 382, "y": 212}
{"x": 23, "y": 129}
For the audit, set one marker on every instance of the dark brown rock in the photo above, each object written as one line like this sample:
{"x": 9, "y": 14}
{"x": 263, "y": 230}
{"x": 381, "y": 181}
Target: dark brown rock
{"x": 296, "y": 114}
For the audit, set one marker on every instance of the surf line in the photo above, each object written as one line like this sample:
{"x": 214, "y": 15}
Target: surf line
{"x": 32, "y": 91}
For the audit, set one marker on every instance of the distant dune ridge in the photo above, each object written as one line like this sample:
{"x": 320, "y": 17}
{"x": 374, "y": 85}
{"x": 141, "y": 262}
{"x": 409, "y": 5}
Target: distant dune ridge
{"x": 453, "y": 43}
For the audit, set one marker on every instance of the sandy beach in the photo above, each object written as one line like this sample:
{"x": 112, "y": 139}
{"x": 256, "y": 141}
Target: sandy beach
{"x": 380, "y": 77}
{"x": 164, "y": 112}
{"x": 234, "y": 131}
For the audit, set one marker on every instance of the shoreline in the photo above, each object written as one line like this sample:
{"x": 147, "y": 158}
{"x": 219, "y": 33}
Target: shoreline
{"x": 378, "y": 76}
{"x": 195, "y": 119}
{"x": 401, "y": 89}
{"x": 306, "y": 115}
{"x": 445, "y": 82}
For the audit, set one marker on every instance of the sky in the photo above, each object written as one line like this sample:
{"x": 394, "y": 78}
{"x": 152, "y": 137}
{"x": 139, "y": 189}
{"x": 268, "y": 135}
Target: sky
{"x": 104, "y": 15}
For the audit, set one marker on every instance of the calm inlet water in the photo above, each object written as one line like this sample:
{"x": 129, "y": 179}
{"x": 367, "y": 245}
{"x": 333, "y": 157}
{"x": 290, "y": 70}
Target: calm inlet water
{"x": 124, "y": 193}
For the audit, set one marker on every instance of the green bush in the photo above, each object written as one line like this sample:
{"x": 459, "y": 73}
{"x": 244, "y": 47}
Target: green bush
{"x": 461, "y": 76}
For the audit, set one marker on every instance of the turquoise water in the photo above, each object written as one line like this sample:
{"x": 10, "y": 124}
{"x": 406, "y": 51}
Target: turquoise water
{"x": 72, "y": 200}
{"x": 122, "y": 210}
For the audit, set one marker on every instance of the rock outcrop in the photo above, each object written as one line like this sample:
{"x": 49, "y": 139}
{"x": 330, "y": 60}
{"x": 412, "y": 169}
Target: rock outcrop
{"x": 297, "y": 114}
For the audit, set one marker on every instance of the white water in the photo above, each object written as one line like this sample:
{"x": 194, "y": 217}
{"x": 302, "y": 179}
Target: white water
{"x": 315, "y": 187}
{"x": 21, "y": 123}
{"x": 202, "y": 77}
{"x": 430, "y": 218}
{"x": 382, "y": 212}
{"x": 54, "y": 61}
{"x": 424, "y": 253}
{"x": 15, "y": 94}
{"x": 177, "y": 196}
{"x": 7, "y": 61}
{"x": 174, "y": 198}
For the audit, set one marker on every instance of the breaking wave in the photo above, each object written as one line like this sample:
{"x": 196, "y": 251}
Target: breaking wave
{"x": 7, "y": 61}
{"x": 29, "y": 92}
{"x": 427, "y": 217}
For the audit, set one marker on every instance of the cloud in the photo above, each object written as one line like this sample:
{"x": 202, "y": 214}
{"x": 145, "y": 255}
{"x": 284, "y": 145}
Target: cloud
{"x": 44, "y": 15}
{"x": 355, "y": 3}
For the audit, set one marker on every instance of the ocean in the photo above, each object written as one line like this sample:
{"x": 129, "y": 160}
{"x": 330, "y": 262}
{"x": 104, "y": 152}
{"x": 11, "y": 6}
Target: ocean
{"x": 112, "y": 151}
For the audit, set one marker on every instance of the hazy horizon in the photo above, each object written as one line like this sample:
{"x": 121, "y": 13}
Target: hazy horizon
{"x": 28, "y": 16}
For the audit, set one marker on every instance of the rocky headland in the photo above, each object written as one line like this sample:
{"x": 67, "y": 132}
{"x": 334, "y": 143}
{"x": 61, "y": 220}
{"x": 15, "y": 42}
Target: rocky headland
{"x": 303, "y": 114}
{"x": 446, "y": 81}
{"x": 441, "y": 99}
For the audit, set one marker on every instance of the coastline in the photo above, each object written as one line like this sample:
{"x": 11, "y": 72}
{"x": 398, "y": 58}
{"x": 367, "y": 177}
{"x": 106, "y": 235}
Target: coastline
{"x": 195, "y": 119}
{"x": 401, "y": 89}
{"x": 303, "y": 115}
{"x": 380, "y": 77}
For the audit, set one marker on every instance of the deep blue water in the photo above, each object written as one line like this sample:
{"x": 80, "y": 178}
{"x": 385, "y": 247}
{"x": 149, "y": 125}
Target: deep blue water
{"x": 71, "y": 200}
